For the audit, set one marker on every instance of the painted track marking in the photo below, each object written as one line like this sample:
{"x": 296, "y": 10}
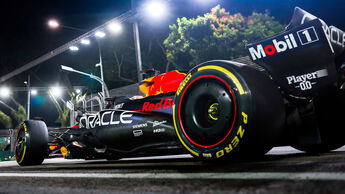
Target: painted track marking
{"x": 323, "y": 176}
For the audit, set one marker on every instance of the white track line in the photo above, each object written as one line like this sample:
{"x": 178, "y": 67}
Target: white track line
{"x": 324, "y": 176}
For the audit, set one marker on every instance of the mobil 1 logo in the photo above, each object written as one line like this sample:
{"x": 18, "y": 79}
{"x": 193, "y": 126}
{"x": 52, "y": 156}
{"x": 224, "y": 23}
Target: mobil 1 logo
{"x": 307, "y": 36}
{"x": 306, "y": 81}
{"x": 284, "y": 43}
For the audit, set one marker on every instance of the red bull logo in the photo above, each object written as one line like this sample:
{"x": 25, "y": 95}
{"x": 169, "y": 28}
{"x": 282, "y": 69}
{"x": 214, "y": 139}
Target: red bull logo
{"x": 164, "y": 103}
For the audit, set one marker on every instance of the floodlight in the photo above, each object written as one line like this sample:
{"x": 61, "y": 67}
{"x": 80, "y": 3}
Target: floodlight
{"x": 5, "y": 92}
{"x": 53, "y": 23}
{"x": 85, "y": 41}
{"x": 100, "y": 34}
{"x": 56, "y": 91}
{"x": 115, "y": 27}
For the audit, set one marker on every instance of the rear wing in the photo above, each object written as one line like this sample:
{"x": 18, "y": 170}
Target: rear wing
{"x": 304, "y": 58}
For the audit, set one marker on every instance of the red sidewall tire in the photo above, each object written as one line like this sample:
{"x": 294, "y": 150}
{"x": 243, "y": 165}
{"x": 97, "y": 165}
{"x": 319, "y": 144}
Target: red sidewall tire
{"x": 204, "y": 85}
{"x": 31, "y": 143}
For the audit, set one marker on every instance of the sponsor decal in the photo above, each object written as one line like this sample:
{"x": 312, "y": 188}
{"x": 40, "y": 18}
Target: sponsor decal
{"x": 118, "y": 106}
{"x": 139, "y": 126}
{"x": 334, "y": 35}
{"x": 235, "y": 141}
{"x": 160, "y": 130}
{"x": 157, "y": 123}
{"x": 112, "y": 118}
{"x": 138, "y": 133}
{"x": 288, "y": 42}
{"x": 226, "y": 72}
{"x": 277, "y": 47}
{"x": 305, "y": 81}
{"x": 164, "y": 103}
{"x": 183, "y": 84}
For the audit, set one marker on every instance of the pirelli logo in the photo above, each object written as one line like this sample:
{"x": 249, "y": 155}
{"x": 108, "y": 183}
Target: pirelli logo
{"x": 183, "y": 84}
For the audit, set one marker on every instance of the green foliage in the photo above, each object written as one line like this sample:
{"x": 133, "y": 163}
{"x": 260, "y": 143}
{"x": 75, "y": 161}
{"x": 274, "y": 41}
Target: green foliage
{"x": 14, "y": 116}
{"x": 5, "y": 120}
{"x": 216, "y": 35}
{"x": 19, "y": 115}
{"x": 63, "y": 118}
{"x": 64, "y": 112}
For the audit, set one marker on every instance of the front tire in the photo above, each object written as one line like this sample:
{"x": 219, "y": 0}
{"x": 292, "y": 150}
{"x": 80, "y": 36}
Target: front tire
{"x": 31, "y": 143}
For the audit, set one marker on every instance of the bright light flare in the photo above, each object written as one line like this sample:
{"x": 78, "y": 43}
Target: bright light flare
{"x": 155, "y": 9}
{"x": 85, "y": 41}
{"x": 115, "y": 27}
{"x": 53, "y": 23}
{"x": 5, "y": 92}
{"x": 33, "y": 92}
{"x": 66, "y": 68}
{"x": 56, "y": 91}
{"x": 73, "y": 48}
{"x": 100, "y": 34}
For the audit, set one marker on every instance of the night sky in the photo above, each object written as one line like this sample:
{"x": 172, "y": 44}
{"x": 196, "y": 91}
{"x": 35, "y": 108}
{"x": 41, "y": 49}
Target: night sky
{"x": 24, "y": 35}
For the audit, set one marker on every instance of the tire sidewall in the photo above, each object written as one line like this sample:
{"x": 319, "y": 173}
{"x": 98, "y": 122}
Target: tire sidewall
{"x": 35, "y": 142}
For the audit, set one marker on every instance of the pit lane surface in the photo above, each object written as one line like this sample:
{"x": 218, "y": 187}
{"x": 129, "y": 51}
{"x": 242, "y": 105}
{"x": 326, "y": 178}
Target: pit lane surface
{"x": 282, "y": 170}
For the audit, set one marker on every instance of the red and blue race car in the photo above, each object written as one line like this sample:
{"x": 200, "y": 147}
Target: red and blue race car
{"x": 291, "y": 92}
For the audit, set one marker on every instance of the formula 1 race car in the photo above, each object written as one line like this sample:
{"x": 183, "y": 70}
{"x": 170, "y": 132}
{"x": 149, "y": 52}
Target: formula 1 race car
{"x": 292, "y": 92}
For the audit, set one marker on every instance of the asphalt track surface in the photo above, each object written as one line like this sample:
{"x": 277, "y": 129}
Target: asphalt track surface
{"x": 282, "y": 170}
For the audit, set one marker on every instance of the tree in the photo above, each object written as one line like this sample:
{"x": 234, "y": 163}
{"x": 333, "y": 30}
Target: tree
{"x": 5, "y": 120}
{"x": 216, "y": 35}
{"x": 17, "y": 115}
{"x": 64, "y": 111}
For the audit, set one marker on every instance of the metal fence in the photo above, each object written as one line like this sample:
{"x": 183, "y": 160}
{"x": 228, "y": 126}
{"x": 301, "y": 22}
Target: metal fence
{"x": 7, "y": 143}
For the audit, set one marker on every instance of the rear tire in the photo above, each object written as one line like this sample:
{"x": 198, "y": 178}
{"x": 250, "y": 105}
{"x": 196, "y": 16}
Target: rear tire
{"x": 228, "y": 110}
{"x": 31, "y": 143}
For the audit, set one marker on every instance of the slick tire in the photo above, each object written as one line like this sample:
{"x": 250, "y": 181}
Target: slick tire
{"x": 31, "y": 143}
{"x": 220, "y": 111}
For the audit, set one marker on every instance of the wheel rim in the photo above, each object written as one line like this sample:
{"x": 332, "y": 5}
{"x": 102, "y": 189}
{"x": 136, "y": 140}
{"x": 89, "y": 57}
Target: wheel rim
{"x": 208, "y": 112}
{"x": 20, "y": 144}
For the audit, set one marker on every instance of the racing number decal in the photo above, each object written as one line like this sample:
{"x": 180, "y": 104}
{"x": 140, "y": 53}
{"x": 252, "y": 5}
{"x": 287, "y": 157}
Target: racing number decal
{"x": 308, "y": 35}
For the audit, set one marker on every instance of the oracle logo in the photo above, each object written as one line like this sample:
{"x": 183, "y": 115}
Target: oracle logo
{"x": 105, "y": 119}
{"x": 334, "y": 35}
